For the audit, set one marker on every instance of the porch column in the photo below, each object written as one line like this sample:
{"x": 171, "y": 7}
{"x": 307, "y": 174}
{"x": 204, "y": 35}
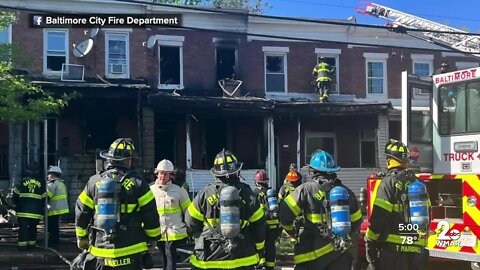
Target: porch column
{"x": 188, "y": 147}
{"x": 382, "y": 138}
{"x": 270, "y": 162}
{"x": 298, "y": 144}
{"x": 15, "y": 136}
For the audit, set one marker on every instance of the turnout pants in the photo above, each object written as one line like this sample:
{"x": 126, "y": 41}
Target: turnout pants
{"x": 131, "y": 262}
{"x": 169, "y": 253}
{"x": 323, "y": 88}
{"x": 390, "y": 259}
{"x": 27, "y": 232}
{"x": 270, "y": 248}
{"x": 53, "y": 231}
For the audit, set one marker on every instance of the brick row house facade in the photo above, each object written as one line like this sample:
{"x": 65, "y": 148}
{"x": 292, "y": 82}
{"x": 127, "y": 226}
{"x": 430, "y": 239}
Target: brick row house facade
{"x": 167, "y": 97}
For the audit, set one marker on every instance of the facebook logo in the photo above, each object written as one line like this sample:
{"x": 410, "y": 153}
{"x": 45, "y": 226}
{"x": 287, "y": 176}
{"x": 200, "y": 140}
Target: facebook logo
{"x": 37, "y": 20}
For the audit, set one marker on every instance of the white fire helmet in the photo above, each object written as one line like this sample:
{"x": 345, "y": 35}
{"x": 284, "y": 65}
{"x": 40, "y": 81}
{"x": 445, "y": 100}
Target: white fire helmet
{"x": 54, "y": 169}
{"x": 165, "y": 165}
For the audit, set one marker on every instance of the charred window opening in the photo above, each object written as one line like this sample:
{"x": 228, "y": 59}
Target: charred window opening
{"x": 56, "y": 50}
{"x": 226, "y": 63}
{"x": 170, "y": 65}
{"x": 165, "y": 137}
{"x": 100, "y": 130}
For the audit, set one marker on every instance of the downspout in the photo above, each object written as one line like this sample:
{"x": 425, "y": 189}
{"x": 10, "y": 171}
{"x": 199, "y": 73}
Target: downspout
{"x": 140, "y": 126}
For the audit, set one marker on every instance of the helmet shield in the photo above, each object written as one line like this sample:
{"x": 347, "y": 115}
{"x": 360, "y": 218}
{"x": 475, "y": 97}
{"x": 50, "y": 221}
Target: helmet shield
{"x": 226, "y": 164}
{"x": 120, "y": 149}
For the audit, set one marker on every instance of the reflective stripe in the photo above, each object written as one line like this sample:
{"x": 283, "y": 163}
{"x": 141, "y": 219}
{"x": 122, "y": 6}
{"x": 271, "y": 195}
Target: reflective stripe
{"x": 293, "y": 205}
{"x": 270, "y": 264}
{"x": 370, "y": 234}
{"x": 173, "y": 237}
{"x": 287, "y": 227}
{"x": 86, "y": 200}
{"x": 168, "y": 210}
{"x": 29, "y": 215}
{"x": 22, "y": 244}
{"x": 214, "y": 221}
{"x": 356, "y": 216}
{"x": 81, "y": 232}
{"x": 32, "y": 243}
{"x": 273, "y": 221}
{"x": 31, "y": 195}
{"x": 314, "y": 218}
{"x": 185, "y": 204}
{"x": 59, "y": 197}
{"x": 50, "y": 194}
{"x": 124, "y": 208}
{"x": 118, "y": 252}
{"x": 225, "y": 264}
{"x": 313, "y": 255}
{"x": 146, "y": 198}
{"x": 15, "y": 190}
{"x": 152, "y": 232}
{"x": 192, "y": 210}
{"x": 397, "y": 207}
{"x": 397, "y": 239}
{"x": 58, "y": 212}
{"x": 262, "y": 260}
{"x": 383, "y": 204}
{"x": 260, "y": 245}
{"x": 257, "y": 215}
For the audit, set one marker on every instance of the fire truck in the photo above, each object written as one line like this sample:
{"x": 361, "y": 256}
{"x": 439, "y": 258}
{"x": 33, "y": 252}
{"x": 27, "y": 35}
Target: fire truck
{"x": 445, "y": 136}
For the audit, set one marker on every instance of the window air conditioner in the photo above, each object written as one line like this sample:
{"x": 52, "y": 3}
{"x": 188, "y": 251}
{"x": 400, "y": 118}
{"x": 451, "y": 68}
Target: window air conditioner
{"x": 116, "y": 68}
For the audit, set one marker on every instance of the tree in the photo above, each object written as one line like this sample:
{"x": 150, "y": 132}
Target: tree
{"x": 254, "y": 6}
{"x": 19, "y": 99}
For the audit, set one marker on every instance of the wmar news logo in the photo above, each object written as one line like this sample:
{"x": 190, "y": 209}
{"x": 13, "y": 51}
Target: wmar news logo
{"x": 37, "y": 20}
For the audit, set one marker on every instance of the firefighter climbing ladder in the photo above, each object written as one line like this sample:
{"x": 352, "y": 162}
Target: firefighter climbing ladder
{"x": 456, "y": 40}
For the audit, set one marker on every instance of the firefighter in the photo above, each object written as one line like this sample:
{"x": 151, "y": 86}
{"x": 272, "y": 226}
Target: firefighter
{"x": 271, "y": 215}
{"x": 227, "y": 220}
{"x": 294, "y": 168}
{"x": 318, "y": 245}
{"x": 120, "y": 237}
{"x": 444, "y": 68}
{"x": 322, "y": 73}
{"x": 172, "y": 202}
{"x": 29, "y": 199}
{"x": 385, "y": 246}
{"x": 57, "y": 203}
{"x": 292, "y": 181}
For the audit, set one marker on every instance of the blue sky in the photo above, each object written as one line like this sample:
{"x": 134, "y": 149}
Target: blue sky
{"x": 461, "y": 14}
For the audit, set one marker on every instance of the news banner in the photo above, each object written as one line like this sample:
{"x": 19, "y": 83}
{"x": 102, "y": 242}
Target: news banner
{"x": 105, "y": 20}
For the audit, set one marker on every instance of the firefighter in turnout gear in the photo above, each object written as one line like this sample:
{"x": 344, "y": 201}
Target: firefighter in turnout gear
{"x": 271, "y": 214}
{"x": 29, "y": 198}
{"x": 119, "y": 209}
{"x": 322, "y": 73}
{"x": 227, "y": 220}
{"x": 320, "y": 245}
{"x": 172, "y": 202}
{"x": 57, "y": 203}
{"x": 292, "y": 181}
{"x": 385, "y": 247}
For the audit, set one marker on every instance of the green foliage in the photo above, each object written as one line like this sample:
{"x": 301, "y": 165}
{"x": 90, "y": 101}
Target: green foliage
{"x": 254, "y": 6}
{"x": 19, "y": 99}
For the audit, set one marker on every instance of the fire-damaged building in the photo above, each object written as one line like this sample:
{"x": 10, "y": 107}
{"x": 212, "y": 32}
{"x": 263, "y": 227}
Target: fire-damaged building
{"x": 224, "y": 80}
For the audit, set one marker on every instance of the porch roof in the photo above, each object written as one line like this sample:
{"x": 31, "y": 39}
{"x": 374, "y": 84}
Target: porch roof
{"x": 260, "y": 106}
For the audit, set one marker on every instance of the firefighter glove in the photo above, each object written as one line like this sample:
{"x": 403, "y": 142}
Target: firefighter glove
{"x": 83, "y": 243}
{"x": 152, "y": 246}
{"x": 372, "y": 254}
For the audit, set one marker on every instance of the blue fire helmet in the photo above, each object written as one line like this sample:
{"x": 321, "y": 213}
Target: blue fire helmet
{"x": 322, "y": 161}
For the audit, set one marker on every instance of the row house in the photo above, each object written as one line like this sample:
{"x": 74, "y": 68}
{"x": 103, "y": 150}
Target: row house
{"x": 162, "y": 87}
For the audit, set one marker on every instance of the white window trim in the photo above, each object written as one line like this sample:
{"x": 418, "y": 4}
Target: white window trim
{"x": 285, "y": 69}
{"x": 271, "y": 49}
{"x": 376, "y": 57}
{"x": 422, "y": 59}
{"x": 67, "y": 51}
{"x": 322, "y": 135}
{"x": 126, "y": 75}
{"x": 331, "y": 53}
{"x": 171, "y": 41}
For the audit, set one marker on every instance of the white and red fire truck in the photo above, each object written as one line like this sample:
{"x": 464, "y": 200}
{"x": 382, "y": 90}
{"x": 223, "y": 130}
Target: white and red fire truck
{"x": 446, "y": 134}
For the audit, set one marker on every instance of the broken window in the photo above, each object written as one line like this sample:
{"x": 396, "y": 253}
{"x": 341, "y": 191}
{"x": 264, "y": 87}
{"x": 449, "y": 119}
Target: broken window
{"x": 275, "y": 72}
{"x": 170, "y": 66}
{"x": 368, "y": 148}
{"x": 226, "y": 63}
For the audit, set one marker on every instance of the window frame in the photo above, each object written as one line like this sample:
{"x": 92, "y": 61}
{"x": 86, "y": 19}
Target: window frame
{"x": 45, "y": 51}
{"x": 360, "y": 140}
{"x": 276, "y": 51}
{"x": 377, "y": 58}
{"x": 170, "y": 41}
{"x": 332, "y": 53}
{"x": 125, "y": 75}
{"x": 9, "y": 34}
{"x": 422, "y": 59}
{"x": 332, "y": 135}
